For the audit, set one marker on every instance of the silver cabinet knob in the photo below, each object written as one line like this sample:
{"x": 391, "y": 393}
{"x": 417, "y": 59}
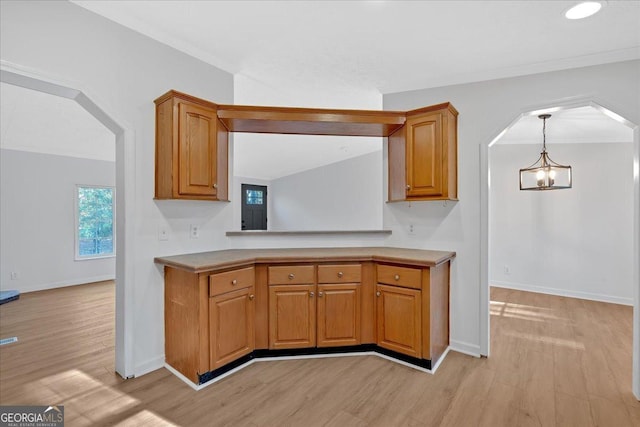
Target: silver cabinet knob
{"x": 408, "y": 187}
{"x": 291, "y": 276}
{"x": 320, "y": 294}
{"x": 340, "y": 274}
{"x": 215, "y": 185}
{"x": 397, "y": 277}
{"x": 234, "y": 282}
{"x": 251, "y": 297}
{"x": 378, "y": 293}
{"x": 311, "y": 294}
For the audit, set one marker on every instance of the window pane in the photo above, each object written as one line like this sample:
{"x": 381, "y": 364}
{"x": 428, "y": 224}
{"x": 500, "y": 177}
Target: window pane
{"x": 254, "y": 197}
{"x": 95, "y": 221}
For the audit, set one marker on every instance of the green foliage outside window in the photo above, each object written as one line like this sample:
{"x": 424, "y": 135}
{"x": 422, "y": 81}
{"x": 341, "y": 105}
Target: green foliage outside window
{"x": 95, "y": 221}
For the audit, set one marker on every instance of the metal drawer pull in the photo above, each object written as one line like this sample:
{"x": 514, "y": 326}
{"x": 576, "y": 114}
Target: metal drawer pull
{"x": 378, "y": 293}
{"x": 310, "y": 294}
{"x": 320, "y": 294}
{"x": 234, "y": 282}
{"x": 340, "y": 274}
{"x": 215, "y": 185}
{"x": 397, "y": 277}
{"x": 251, "y": 297}
{"x": 291, "y": 276}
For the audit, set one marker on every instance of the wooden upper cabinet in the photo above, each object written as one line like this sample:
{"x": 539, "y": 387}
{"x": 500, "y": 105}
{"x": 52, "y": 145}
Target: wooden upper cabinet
{"x": 423, "y": 156}
{"x": 192, "y": 144}
{"x": 191, "y": 149}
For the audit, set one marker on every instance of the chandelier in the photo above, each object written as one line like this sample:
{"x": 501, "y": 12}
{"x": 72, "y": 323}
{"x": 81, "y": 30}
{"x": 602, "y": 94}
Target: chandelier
{"x": 545, "y": 174}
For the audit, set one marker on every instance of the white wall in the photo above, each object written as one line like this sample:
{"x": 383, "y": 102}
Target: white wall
{"x": 487, "y": 108}
{"x": 575, "y": 242}
{"x": 341, "y": 196}
{"x": 124, "y": 72}
{"x": 37, "y": 220}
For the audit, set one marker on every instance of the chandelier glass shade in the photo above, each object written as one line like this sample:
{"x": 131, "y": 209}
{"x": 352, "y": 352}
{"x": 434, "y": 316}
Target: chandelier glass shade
{"x": 545, "y": 174}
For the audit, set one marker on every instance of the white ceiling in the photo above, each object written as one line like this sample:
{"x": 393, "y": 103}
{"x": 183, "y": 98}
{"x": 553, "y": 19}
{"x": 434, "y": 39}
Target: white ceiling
{"x": 583, "y": 125}
{"x": 384, "y": 46}
{"x": 39, "y": 122}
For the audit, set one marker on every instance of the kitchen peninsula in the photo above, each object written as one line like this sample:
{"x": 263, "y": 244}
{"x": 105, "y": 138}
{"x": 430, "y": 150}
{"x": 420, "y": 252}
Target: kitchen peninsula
{"x": 225, "y": 308}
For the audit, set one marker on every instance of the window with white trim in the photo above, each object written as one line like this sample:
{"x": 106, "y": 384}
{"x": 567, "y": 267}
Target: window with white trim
{"x": 95, "y": 222}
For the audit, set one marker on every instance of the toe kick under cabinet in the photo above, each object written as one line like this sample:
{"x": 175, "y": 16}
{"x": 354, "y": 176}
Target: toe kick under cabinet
{"x": 219, "y": 316}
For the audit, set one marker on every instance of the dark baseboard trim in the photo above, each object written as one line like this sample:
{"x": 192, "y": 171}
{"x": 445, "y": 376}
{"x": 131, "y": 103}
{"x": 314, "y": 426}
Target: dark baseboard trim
{"x": 264, "y": 353}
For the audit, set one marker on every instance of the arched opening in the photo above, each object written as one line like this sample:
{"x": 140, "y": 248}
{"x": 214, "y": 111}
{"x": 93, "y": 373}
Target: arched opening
{"x": 485, "y": 225}
{"x": 124, "y": 203}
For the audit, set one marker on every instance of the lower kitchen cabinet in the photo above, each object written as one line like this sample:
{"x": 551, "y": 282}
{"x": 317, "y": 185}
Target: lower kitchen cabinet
{"x": 399, "y": 314}
{"x": 292, "y": 316}
{"x": 219, "y": 318}
{"x": 231, "y": 326}
{"x": 338, "y": 314}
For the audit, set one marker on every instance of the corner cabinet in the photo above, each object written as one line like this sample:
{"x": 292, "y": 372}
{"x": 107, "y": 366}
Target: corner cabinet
{"x": 412, "y": 309}
{"x": 191, "y": 149}
{"x": 219, "y": 317}
{"x": 423, "y": 156}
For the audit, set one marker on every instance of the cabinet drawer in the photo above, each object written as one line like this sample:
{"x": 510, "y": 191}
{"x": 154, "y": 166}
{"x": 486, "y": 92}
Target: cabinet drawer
{"x": 292, "y": 274}
{"x": 350, "y": 273}
{"x": 400, "y": 276}
{"x": 221, "y": 283}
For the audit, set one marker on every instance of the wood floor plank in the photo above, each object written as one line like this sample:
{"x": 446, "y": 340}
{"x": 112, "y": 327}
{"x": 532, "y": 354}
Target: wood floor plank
{"x": 555, "y": 361}
{"x": 573, "y": 411}
{"x": 609, "y": 413}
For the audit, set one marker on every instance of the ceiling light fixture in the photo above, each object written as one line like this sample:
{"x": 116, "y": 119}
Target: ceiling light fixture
{"x": 545, "y": 174}
{"x": 583, "y": 10}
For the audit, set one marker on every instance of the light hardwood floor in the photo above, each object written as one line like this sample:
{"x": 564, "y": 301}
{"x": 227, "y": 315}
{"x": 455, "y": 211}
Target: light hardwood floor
{"x": 555, "y": 362}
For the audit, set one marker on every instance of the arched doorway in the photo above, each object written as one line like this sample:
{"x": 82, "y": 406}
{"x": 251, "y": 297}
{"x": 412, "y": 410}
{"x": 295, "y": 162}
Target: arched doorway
{"x": 29, "y": 79}
{"x": 484, "y": 226}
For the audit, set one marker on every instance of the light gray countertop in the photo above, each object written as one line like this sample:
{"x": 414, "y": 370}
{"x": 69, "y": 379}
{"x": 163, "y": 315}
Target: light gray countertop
{"x": 219, "y": 260}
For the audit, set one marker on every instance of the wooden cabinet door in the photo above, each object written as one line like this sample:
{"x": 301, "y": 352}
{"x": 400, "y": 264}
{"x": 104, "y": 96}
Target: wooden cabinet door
{"x": 424, "y": 155}
{"x": 399, "y": 319}
{"x": 292, "y": 316}
{"x": 231, "y": 326}
{"x": 338, "y": 314}
{"x": 197, "y": 151}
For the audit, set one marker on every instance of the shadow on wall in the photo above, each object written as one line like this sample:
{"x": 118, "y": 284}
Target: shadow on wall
{"x": 425, "y": 218}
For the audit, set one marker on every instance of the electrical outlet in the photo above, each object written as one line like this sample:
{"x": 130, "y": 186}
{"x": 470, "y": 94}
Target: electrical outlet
{"x": 163, "y": 233}
{"x": 195, "y": 231}
{"x": 507, "y": 270}
{"x": 411, "y": 229}
{"x": 14, "y": 275}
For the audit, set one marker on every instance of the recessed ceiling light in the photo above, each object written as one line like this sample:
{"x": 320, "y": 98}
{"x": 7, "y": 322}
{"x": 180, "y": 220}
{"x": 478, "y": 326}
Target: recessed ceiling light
{"x": 583, "y": 10}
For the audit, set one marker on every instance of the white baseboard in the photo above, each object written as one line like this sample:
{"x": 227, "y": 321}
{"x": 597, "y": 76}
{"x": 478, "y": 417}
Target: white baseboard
{"x": 62, "y": 284}
{"x": 306, "y": 356}
{"x": 562, "y": 292}
{"x": 149, "y": 366}
{"x": 465, "y": 348}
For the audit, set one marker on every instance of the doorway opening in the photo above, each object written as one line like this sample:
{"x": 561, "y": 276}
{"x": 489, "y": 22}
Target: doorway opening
{"x": 254, "y": 207}
{"x": 124, "y": 151}
{"x": 547, "y": 221}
